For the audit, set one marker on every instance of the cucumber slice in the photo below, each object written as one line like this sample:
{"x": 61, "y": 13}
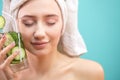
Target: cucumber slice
{"x": 9, "y": 39}
{"x": 2, "y": 22}
{"x": 15, "y": 62}
{"x": 22, "y": 53}
{"x": 15, "y": 37}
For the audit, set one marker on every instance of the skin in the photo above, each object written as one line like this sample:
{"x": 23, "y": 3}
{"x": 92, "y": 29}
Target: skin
{"x": 41, "y": 21}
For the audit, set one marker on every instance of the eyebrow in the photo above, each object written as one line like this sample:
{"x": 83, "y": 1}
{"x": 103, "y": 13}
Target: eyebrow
{"x": 51, "y": 15}
{"x": 28, "y": 16}
{"x": 34, "y": 17}
{"x": 47, "y": 16}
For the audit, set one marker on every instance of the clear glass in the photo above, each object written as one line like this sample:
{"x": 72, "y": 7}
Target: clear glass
{"x": 19, "y": 62}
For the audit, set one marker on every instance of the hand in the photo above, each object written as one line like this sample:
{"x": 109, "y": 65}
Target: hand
{"x": 5, "y": 71}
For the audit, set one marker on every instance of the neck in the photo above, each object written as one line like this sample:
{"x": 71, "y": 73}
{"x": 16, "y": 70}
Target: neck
{"x": 42, "y": 64}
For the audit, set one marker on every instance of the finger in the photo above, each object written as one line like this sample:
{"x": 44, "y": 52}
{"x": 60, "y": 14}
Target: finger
{"x": 10, "y": 58}
{"x": 6, "y": 50}
{"x": 9, "y": 74}
{"x": 2, "y": 40}
{"x": 2, "y": 75}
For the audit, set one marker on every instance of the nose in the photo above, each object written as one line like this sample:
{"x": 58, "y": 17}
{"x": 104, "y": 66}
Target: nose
{"x": 39, "y": 32}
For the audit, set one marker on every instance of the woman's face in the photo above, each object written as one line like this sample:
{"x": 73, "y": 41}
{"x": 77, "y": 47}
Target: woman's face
{"x": 40, "y": 23}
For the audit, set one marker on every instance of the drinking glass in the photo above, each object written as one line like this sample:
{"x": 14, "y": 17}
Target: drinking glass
{"x": 20, "y": 61}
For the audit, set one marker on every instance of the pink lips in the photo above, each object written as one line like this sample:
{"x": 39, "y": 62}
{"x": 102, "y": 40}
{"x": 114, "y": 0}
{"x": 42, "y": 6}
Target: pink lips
{"x": 39, "y": 45}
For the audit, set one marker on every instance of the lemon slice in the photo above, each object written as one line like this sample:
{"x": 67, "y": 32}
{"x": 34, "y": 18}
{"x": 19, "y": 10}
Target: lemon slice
{"x": 2, "y": 22}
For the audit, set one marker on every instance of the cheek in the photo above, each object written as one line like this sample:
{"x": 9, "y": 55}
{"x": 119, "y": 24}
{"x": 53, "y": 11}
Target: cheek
{"x": 55, "y": 34}
{"x": 57, "y": 29}
{"x": 25, "y": 38}
{"x": 26, "y": 34}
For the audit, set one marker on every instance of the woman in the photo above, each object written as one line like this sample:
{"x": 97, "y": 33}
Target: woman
{"x": 41, "y": 24}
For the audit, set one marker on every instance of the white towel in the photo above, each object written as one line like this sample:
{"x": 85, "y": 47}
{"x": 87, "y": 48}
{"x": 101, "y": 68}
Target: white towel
{"x": 71, "y": 41}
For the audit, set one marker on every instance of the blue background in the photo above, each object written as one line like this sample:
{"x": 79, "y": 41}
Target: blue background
{"x": 99, "y": 24}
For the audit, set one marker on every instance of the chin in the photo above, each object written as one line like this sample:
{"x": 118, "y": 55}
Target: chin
{"x": 39, "y": 52}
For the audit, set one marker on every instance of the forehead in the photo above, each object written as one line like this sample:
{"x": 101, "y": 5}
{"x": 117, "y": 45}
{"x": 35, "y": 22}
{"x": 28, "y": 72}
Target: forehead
{"x": 36, "y": 7}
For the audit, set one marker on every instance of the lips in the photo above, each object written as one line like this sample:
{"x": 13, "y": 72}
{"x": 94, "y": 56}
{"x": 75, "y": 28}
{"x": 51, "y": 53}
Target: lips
{"x": 39, "y": 45}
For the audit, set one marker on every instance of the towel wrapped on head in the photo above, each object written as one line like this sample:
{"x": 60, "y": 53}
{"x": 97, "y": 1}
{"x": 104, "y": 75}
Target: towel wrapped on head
{"x": 71, "y": 41}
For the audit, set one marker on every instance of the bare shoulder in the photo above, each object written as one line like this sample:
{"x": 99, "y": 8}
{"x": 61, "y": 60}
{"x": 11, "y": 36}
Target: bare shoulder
{"x": 88, "y": 70}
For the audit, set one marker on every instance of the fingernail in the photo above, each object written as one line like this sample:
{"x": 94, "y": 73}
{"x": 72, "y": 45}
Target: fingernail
{"x": 13, "y": 43}
{"x": 17, "y": 52}
{"x": 3, "y": 37}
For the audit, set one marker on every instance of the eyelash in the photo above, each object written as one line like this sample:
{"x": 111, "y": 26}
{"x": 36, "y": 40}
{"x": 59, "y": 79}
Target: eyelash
{"x": 51, "y": 23}
{"x": 29, "y": 24}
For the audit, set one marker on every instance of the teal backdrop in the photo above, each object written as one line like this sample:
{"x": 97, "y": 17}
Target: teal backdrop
{"x": 99, "y": 24}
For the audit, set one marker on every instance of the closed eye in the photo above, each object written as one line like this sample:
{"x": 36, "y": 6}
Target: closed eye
{"x": 28, "y": 23}
{"x": 51, "y": 23}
